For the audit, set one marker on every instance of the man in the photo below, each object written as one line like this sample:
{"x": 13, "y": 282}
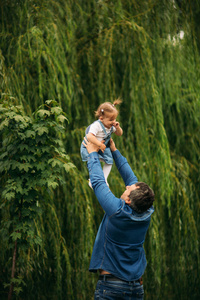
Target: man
{"x": 118, "y": 251}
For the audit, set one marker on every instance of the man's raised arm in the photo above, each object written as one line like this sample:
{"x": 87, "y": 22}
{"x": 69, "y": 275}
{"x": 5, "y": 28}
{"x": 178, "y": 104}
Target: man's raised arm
{"x": 123, "y": 166}
{"x": 106, "y": 198}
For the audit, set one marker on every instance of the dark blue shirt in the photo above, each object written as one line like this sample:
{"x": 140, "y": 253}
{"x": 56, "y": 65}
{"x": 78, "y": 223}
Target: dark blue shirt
{"x": 118, "y": 246}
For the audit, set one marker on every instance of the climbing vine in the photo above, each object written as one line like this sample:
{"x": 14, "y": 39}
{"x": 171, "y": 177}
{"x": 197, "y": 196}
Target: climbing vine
{"x": 32, "y": 157}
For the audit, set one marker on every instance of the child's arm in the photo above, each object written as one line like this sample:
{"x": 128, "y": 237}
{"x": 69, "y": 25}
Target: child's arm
{"x": 91, "y": 138}
{"x": 119, "y": 130}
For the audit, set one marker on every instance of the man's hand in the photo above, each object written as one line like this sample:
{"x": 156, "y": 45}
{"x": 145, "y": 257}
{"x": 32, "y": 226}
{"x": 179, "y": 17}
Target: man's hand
{"x": 90, "y": 146}
{"x": 112, "y": 145}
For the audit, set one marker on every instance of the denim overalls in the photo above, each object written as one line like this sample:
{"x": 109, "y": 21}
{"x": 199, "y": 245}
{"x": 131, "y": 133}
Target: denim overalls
{"x": 107, "y": 155}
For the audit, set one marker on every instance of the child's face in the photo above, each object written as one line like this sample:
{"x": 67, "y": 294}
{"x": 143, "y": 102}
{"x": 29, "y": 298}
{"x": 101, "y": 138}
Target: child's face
{"x": 108, "y": 120}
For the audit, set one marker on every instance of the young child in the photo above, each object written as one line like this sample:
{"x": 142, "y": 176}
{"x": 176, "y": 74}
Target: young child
{"x": 100, "y": 132}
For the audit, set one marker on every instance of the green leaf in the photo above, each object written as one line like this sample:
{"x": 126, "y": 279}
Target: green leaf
{"x": 19, "y": 118}
{"x": 62, "y": 118}
{"x": 52, "y": 184}
{"x": 42, "y": 130}
{"x": 43, "y": 112}
{"x": 4, "y": 124}
{"x": 3, "y": 155}
{"x": 8, "y": 196}
{"x": 24, "y": 166}
{"x": 27, "y": 158}
{"x": 17, "y": 290}
{"x": 54, "y": 162}
{"x": 51, "y": 102}
{"x": 58, "y": 142}
{"x": 3, "y": 109}
{"x": 42, "y": 182}
{"x": 56, "y": 110}
{"x": 38, "y": 240}
{"x": 22, "y": 136}
{"x": 64, "y": 156}
{"x": 7, "y": 140}
{"x": 43, "y": 149}
{"x": 23, "y": 147}
{"x": 40, "y": 166}
{"x": 15, "y": 164}
{"x": 30, "y": 133}
{"x": 68, "y": 166}
{"x": 16, "y": 235}
{"x": 5, "y": 165}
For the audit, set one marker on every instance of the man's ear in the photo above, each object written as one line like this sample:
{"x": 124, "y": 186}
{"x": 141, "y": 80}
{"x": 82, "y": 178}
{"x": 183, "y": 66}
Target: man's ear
{"x": 128, "y": 201}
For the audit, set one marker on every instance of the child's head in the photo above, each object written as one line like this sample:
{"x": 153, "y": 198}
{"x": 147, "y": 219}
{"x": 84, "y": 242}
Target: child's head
{"x": 107, "y": 112}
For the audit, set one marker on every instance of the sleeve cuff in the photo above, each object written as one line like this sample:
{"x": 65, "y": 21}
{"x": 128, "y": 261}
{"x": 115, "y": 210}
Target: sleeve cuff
{"x": 93, "y": 155}
{"x": 116, "y": 154}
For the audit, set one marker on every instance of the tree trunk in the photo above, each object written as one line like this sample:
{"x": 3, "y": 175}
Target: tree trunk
{"x": 13, "y": 271}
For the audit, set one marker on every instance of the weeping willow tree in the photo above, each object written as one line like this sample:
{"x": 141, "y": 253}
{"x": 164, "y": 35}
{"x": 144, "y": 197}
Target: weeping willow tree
{"x": 82, "y": 53}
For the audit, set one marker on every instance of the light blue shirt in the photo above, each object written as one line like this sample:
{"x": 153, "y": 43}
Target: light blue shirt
{"x": 118, "y": 246}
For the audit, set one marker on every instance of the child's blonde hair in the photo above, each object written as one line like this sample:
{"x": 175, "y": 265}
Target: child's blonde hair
{"x": 107, "y": 107}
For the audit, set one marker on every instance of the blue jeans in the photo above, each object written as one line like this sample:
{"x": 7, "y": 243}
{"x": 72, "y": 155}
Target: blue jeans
{"x": 118, "y": 290}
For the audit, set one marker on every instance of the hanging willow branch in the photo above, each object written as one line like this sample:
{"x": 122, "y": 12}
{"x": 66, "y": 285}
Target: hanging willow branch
{"x": 82, "y": 53}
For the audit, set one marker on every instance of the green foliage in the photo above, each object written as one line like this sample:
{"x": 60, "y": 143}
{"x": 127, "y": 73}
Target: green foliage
{"x": 32, "y": 157}
{"x": 82, "y": 53}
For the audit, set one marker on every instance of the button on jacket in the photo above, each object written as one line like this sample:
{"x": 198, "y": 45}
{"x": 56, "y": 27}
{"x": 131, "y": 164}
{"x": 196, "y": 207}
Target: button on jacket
{"x": 118, "y": 247}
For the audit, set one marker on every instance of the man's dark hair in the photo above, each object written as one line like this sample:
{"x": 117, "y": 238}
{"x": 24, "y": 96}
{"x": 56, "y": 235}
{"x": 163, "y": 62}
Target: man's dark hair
{"x": 141, "y": 198}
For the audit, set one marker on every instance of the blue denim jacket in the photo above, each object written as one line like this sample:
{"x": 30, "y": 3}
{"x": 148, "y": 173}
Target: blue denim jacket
{"x": 118, "y": 247}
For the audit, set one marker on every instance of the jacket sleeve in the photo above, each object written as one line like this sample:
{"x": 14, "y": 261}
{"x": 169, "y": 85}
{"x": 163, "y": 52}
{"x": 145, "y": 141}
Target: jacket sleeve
{"x": 124, "y": 168}
{"x": 106, "y": 198}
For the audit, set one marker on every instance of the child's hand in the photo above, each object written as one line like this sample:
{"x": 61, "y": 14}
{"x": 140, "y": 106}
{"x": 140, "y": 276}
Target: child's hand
{"x": 103, "y": 146}
{"x": 116, "y": 125}
{"x": 119, "y": 130}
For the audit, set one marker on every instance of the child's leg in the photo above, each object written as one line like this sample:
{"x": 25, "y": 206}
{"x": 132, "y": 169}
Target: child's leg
{"x": 106, "y": 170}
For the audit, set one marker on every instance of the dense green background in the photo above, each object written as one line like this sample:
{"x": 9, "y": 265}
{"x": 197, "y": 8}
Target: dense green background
{"x": 82, "y": 53}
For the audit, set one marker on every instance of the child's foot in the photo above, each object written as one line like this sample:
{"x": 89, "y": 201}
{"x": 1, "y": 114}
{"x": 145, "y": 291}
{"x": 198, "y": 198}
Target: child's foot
{"x": 89, "y": 183}
{"x": 107, "y": 183}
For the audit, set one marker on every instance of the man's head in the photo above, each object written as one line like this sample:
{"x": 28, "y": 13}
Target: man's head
{"x": 139, "y": 196}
